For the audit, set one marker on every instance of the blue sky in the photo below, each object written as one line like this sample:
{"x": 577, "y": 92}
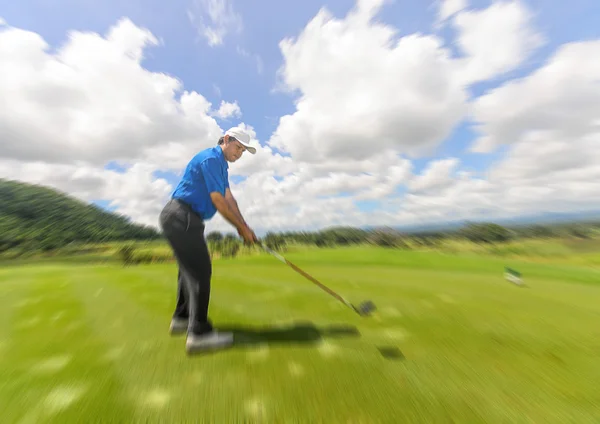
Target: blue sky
{"x": 265, "y": 23}
{"x": 244, "y": 68}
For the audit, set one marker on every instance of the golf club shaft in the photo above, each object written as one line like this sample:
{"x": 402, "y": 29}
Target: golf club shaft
{"x": 314, "y": 280}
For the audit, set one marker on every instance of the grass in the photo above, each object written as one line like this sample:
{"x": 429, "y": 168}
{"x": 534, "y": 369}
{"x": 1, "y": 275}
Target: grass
{"x": 451, "y": 342}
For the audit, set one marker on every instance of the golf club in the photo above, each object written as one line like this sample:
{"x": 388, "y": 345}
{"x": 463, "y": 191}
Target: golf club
{"x": 365, "y": 308}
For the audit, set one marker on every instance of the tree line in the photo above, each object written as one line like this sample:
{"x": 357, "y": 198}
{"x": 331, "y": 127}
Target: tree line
{"x": 34, "y": 218}
{"x": 475, "y": 232}
{"x": 38, "y": 218}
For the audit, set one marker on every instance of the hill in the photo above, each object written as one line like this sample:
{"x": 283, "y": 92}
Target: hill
{"x": 549, "y": 220}
{"x": 35, "y": 217}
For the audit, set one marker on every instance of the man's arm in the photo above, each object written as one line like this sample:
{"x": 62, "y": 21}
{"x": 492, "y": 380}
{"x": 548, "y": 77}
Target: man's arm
{"x": 233, "y": 205}
{"x": 217, "y": 187}
{"x": 227, "y": 211}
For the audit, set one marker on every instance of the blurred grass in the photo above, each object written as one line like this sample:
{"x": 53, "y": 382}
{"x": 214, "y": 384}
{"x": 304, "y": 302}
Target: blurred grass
{"x": 89, "y": 343}
{"x": 555, "y": 250}
{"x": 567, "y": 251}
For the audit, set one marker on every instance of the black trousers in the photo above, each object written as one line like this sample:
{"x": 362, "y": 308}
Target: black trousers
{"x": 184, "y": 230}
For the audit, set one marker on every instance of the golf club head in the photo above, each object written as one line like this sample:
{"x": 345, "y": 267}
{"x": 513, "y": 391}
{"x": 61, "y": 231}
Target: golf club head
{"x": 365, "y": 308}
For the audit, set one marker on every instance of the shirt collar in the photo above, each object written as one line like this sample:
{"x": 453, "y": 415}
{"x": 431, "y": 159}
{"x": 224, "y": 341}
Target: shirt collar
{"x": 222, "y": 156}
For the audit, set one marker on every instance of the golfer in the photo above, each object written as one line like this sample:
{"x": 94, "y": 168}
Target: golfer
{"x": 202, "y": 191}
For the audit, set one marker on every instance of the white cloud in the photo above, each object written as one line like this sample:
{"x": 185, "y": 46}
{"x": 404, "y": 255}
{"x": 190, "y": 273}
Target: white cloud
{"x": 465, "y": 198}
{"x": 361, "y": 91}
{"x": 561, "y": 98}
{"x": 545, "y": 157}
{"x": 91, "y": 100}
{"x": 137, "y": 193}
{"x": 227, "y": 110}
{"x": 269, "y": 204}
{"x": 437, "y": 175}
{"x": 387, "y": 180}
{"x": 336, "y": 139}
{"x": 264, "y": 159}
{"x": 311, "y": 198}
{"x": 214, "y": 19}
{"x": 495, "y": 40}
{"x": 2, "y": 21}
{"x": 541, "y": 173}
{"x": 568, "y": 169}
{"x": 449, "y": 8}
{"x": 367, "y": 101}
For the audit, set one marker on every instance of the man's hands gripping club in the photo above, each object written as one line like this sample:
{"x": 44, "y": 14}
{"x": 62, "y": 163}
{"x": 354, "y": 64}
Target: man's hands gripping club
{"x": 227, "y": 206}
{"x": 248, "y": 235}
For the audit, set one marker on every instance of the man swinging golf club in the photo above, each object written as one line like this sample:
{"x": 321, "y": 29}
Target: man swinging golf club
{"x": 202, "y": 191}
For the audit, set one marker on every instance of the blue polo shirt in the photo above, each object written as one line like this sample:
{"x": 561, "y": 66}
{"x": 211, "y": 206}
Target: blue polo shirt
{"x": 205, "y": 173}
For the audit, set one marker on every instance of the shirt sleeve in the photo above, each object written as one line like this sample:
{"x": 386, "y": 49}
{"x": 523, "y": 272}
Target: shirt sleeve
{"x": 213, "y": 176}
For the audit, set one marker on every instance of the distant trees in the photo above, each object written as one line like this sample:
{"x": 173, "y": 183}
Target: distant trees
{"x": 485, "y": 233}
{"x": 275, "y": 241}
{"x": 214, "y": 236}
{"x": 34, "y": 217}
{"x": 336, "y": 236}
{"x": 578, "y": 230}
{"x": 344, "y": 235}
{"x": 387, "y": 238}
{"x": 37, "y": 218}
{"x": 384, "y": 239}
{"x": 538, "y": 231}
{"x": 127, "y": 254}
{"x": 230, "y": 246}
{"x": 226, "y": 246}
{"x": 130, "y": 255}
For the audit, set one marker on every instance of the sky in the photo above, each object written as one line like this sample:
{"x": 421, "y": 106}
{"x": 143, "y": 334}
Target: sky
{"x": 364, "y": 113}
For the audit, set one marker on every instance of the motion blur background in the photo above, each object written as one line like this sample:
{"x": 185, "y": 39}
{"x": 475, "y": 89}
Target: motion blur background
{"x": 426, "y": 154}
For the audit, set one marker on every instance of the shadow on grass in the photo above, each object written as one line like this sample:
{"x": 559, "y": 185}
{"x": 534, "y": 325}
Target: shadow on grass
{"x": 297, "y": 333}
{"x": 304, "y": 333}
{"x": 391, "y": 352}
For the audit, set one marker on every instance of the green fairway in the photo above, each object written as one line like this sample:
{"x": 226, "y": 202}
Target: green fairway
{"x": 451, "y": 342}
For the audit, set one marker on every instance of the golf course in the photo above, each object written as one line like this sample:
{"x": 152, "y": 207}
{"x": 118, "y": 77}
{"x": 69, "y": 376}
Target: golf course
{"x": 451, "y": 341}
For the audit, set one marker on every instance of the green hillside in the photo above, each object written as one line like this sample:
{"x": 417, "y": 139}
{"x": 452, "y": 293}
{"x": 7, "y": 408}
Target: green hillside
{"x": 34, "y": 217}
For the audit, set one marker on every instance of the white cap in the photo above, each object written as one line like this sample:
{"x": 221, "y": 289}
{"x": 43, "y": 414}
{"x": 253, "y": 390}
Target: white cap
{"x": 242, "y": 136}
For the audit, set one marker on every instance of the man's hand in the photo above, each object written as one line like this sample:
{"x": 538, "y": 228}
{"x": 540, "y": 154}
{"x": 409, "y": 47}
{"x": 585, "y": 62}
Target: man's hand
{"x": 230, "y": 212}
{"x": 248, "y": 235}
